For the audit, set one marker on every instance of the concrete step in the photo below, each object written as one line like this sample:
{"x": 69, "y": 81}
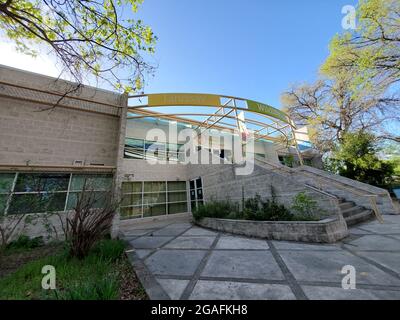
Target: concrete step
{"x": 352, "y": 211}
{"x": 359, "y": 217}
{"x": 346, "y": 205}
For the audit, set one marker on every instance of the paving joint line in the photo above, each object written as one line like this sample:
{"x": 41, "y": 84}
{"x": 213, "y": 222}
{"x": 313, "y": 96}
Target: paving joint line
{"x": 154, "y": 250}
{"x": 190, "y": 286}
{"x": 374, "y": 263}
{"x": 291, "y": 280}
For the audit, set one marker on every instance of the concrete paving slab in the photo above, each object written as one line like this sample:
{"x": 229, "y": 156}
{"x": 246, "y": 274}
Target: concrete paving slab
{"x": 385, "y": 228}
{"x": 173, "y": 287}
{"x": 141, "y": 253}
{"x": 243, "y": 264}
{"x": 228, "y": 242}
{"x": 169, "y": 231}
{"x": 327, "y": 266}
{"x": 393, "y": 218}
{"x": 373, "y": 242}
{"x": 136, "y": 232}
{"x": 329, "y": 293}
{"x": 149, "y": 242}
{"x": 288, "y": 245}
{"x": 224, "y": 290}
{"x": 203, "y": 242}
{"x": 175, "y": 262}
{"x": 236, "y": 260}
{"x": 196, "y": 231}
{"x": 389, "y": 260}
{"x": 357, "y": 231}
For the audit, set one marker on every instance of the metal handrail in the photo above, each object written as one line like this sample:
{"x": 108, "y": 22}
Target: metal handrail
{"x": 289, "y": 170}
{"x": 371, "y": 197}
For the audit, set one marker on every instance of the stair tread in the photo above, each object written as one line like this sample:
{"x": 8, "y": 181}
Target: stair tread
{"x": 355, "y": 207}
{"x": 360, "y": 214}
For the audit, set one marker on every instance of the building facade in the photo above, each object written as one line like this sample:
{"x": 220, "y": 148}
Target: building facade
{"x": 63, "y": 135}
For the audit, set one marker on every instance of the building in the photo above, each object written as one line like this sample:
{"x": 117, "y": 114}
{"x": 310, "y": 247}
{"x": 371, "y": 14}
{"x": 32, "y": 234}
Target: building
{"x": 63, "y": 135}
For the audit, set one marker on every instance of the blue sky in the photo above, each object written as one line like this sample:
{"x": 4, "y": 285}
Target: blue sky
{"x": 252, "y": 49}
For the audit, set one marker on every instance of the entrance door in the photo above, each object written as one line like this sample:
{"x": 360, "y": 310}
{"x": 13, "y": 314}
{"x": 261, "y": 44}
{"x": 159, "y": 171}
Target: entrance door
{"x": 196, "y": 193}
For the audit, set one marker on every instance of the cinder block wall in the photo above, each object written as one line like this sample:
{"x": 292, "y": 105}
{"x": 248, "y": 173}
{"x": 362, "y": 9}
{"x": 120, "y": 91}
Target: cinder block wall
{"x": 221, "y": 183}
{"x": 57, "y": 136}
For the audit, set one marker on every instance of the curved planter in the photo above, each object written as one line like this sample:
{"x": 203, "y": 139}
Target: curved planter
{"x": 328, "y": 230}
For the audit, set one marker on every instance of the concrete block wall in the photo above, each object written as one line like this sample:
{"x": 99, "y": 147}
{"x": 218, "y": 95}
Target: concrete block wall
{"x": 221, "y": 183}
{"x": 57, "y": 136}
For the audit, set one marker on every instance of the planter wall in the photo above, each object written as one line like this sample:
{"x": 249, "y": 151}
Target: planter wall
{"x": 328, "y": 230}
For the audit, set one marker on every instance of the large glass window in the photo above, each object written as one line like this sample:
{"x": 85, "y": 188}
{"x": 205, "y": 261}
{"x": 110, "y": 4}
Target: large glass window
{"x": 144, "y": 149}
{"x": 45, "y": 192}
{"x": 153, "y": 198}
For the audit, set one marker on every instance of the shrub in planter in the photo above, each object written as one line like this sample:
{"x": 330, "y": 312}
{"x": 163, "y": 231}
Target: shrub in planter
{"x": 304, "y": 206}
{"x": 215, "y": 209}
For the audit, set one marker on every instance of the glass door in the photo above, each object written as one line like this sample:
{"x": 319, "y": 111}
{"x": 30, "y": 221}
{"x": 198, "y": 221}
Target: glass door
{"x": 196, "y": 193}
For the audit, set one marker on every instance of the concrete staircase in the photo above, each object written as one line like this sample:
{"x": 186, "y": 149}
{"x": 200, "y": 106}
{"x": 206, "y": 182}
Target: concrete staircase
{"x": 353, "y": 196}
{"x": 354, "y": 214}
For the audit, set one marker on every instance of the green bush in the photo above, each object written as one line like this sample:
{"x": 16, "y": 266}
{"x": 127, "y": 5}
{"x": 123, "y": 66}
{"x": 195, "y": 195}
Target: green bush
{"x": 24, "y": 242}
{"x": 253, "y": 209}
{"x": 215, "y": 209}
{"x": 269, "y": 210}
{"x": 304, "y": 206}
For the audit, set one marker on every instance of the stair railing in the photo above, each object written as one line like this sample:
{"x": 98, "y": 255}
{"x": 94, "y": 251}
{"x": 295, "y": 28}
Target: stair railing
{"x": 371, "y": 197}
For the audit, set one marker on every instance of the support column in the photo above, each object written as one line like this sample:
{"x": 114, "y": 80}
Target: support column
{"x": 118, "y": 175}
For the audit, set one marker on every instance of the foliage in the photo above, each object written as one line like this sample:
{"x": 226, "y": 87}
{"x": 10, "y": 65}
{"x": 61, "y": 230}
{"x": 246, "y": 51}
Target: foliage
{"x": 371, "y": 52}
{"x": 354, "y": 90}
{"x": 304, "y": 205}
{"x": 92, "y": 278}
{"x": 370, "y": 55}
{"x": 253, "y": 209}
{"x": 356, "y": 158}
{"x": 269, "y": 210}
{"x": 25, "y": 242}
{"x": 95, "y": 37}
{"x": 215, "y": 209}
{"x": 330, "y": 109}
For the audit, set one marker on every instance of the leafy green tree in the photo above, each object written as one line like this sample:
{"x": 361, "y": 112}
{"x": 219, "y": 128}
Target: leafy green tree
{"x": 372, "y": 50}
{"x": 356, "y": 158}
{"x": 370, "y": 54}
{"x": 88, "y": 37}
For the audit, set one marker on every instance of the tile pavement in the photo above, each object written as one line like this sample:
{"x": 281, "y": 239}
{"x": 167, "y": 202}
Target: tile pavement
{"x": 176, "y": 260}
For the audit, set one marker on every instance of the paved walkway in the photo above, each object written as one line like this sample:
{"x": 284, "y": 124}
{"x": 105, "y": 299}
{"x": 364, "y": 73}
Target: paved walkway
{"x": 176, "y": 260}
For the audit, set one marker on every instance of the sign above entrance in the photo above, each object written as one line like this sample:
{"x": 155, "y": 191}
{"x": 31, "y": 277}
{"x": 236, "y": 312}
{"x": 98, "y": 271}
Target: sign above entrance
{"x": 266, "y": 109}
{"x": 212, "y": 100}
{"x": 183, "y": 99}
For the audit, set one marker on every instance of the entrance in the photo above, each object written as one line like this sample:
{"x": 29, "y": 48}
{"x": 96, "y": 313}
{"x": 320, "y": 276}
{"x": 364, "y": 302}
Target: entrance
{"x": 196, "y": 193}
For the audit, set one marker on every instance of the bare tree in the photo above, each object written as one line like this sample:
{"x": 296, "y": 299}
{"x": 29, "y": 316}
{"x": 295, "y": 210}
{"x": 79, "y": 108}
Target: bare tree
{"x": 330, "y": 109}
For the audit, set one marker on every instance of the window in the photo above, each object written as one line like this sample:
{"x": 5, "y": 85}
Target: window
{"x": 96, "y": 185}
{"x": 39, "y": 192}
{"x": 144, "y": 149}
{"x": 153, "y": 198}
{"x": 22, "y": 193}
